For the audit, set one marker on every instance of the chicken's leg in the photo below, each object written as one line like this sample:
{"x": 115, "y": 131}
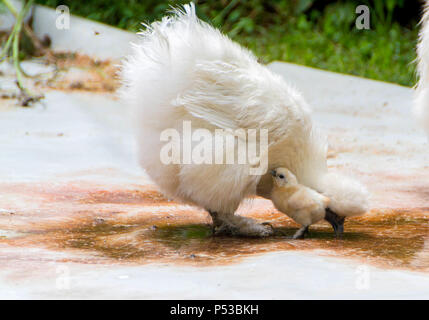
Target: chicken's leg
{"x": 231, "y": 224}
{"x": 216, "y": 222}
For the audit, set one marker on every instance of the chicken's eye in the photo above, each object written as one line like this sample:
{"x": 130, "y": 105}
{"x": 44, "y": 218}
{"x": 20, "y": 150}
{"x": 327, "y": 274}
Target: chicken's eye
{"x": 281, "y": 176}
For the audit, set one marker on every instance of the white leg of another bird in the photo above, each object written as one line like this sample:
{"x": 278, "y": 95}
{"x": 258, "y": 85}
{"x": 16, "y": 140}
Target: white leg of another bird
{"x": 300, "y": 234}
{"x": 239, "y": 226}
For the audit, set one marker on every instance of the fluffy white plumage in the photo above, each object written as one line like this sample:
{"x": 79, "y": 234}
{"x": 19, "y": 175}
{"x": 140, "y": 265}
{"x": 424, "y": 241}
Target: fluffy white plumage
{"x": 421, "y": 101}
{"x": 184, "y": 69}
{"x": 304, "y": 205}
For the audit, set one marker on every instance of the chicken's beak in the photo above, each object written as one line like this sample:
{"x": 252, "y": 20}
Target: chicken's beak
{"x": 336, "y": 222}
{"x": 273, "y": 173}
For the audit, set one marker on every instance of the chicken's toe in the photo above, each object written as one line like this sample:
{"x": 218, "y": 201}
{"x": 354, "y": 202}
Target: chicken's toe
{"x": 244, "y": 227}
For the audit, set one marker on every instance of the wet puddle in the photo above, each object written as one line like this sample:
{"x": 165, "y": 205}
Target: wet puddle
{"x": 140, "y": 226}
{"x": 390, "y": 239}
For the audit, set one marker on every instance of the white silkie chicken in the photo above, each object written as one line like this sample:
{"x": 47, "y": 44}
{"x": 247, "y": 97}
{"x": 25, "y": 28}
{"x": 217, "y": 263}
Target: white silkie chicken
{"x": 182, "y": 69}
{"x": 421, "y": 102}
{"x": 304, "y": 205}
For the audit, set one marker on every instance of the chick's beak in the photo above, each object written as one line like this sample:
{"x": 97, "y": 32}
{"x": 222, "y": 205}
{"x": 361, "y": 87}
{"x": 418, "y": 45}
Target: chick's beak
{"x": 273, "y": 173}
{"x": 336, "y": 222}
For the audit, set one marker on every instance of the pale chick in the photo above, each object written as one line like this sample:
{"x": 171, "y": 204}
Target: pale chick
{"x": 304, "y": 205}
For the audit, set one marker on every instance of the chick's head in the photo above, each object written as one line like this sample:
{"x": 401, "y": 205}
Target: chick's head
{"x": 283, "y": 177}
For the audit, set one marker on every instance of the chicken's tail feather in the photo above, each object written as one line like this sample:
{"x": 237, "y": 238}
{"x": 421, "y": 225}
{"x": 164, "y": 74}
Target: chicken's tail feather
{"x": 159, "y": 66}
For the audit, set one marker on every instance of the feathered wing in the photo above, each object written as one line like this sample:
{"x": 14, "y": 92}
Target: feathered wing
{"x": 213, "y": 94}
{"x": 300, "y": 200}
{"x": 242, "y": 95}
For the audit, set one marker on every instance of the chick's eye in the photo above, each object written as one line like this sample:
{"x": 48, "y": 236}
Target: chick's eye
{"x": 281, "y": 176}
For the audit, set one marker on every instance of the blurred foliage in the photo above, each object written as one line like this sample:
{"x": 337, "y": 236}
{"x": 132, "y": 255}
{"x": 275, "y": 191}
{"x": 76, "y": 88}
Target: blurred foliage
{"x": 314, "y": 33}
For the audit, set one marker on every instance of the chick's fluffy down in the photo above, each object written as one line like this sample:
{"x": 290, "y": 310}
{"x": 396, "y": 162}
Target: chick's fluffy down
{"x": 305, "y": 206}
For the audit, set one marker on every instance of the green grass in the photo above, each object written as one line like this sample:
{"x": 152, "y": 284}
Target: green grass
{"x": 386, "y": 55}
{"x": 289, "y": 31}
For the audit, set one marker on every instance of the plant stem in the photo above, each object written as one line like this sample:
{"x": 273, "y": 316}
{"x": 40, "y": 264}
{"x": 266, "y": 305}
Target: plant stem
{"x": 6, "y": 47}
{"x": 13, "y": 40}
{"x": 27, "y": 28}
{"x": 15, "y": 49}
{"x": 11, "y": 8}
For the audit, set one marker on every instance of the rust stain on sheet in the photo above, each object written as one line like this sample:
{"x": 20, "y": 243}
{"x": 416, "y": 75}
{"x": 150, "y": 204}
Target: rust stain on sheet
{"x": 89, "y": 74}
{"x": 138, "y": 225}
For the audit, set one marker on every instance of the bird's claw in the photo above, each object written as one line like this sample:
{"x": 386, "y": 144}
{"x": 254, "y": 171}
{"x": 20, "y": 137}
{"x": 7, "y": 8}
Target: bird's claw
{"x": 268, "y": 224}
{"x": 224, "y": 230}
{"x": 258, "y": 230}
